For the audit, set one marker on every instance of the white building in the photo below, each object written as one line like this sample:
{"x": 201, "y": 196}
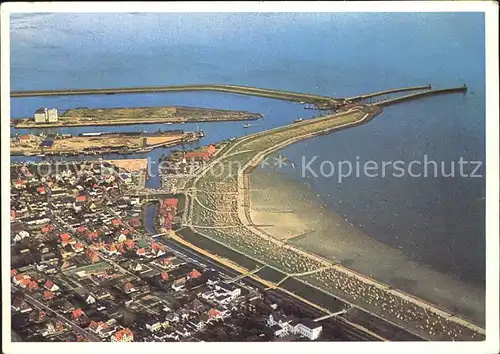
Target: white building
{"x": 52, "y": 115}
{"x": 223, "y": 289}
{"x": 41, "y": 115}
{"x": 153, "y": 325}
{"x": 90, "y": 300}
{"x": 45, "y": 115}
{"x": 305, "y": 327}
{"x": 308, "y": 329}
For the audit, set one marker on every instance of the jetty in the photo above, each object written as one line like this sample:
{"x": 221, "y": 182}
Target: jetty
{"x": 311, "y": 100}
{"x": 237, "y": 89}
{"x": 389, "y": 101}
{"x": 386, "y": 92}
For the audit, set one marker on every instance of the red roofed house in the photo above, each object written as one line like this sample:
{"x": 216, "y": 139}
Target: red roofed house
{"x": 21, "y": 279}
{"x": 26, "y": 137}
{"x": 67, "y": 264}
{"x": 97, "y": 327}
{"x": 41, "y": 190}
{"x": 194, "y": 155}
{"x": 47, "y": 228}
{"x": 168, "y": 220}
{"x": 124, "y": 335}
{"x": 77, "y": 313}
{"x": 49, "y": 285}
{"x": 33, "y": 285}
{"x": 116, "y": 222}
{"x": 66, "y": 239}
{"x": 128, "y": 288}
{"x": 120, "y": 247}
{"x": 92, "y": 235}
{"x": 13, "y": 272}
{"x": 194, "y": 274}
{"x": 81, "y": 229}
{"x": 92, "y": 255}
{"x": 141, "y": 252}
{"x": 130, "y": 244}
{"x": 38, "y": 316}
{"x": 23, "y": 283}
{"x": 12, "y": 214}
{"x": 81, "y": 198}
{"x": 48, "y": 295}
{"x": 111, "y": 249}
{"x": 135, "y": 222}
{"x": 59, "y": 326}
{"x": 94, "y": 326}
{"x": 157, "y": 249}
{"x": 166, "y": 263}
{"x": 78, "y": 247}
{"x": 170, "y": 203}
{"x": 211, "y": 149}
{"x": 20, "y": 183}
{"x": 164, "y": 275}
{"x": 213, "y": 313}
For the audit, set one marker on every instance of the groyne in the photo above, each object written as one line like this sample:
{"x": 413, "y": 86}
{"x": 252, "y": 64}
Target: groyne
{"x": 412, "y": 96}
{"x": 386, "y": 92}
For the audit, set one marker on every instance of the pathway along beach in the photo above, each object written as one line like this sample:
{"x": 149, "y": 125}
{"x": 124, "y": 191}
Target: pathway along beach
{"x": 296, "y": 214}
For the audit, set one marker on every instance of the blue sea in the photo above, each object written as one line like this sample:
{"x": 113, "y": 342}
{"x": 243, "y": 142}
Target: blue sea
{"x": 438, "y": 222}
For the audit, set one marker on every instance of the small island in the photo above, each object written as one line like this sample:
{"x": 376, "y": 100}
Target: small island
{"x": 84, "y": 116}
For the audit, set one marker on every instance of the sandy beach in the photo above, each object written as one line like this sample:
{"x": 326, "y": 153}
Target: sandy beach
{"x": 288, "y": 210}
{"x": 131, "y": 165}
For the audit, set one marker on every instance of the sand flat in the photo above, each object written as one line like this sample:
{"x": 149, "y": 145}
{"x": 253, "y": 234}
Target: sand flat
{"x": 337, "y": 240}
{"x": 290, "y": 225}
{"x": 131, "y": 165}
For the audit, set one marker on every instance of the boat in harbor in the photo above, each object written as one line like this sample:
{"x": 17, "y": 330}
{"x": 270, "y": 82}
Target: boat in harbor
{"x": 246, "y": 125}
{"x": 298, "y": 120}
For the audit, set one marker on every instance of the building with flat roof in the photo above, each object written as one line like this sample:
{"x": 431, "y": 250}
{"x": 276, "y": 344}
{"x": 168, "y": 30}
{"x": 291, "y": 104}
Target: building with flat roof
{"x": 45, "y": 115}
{"x": 52, "y": 115}
{"x": 308, "y": 329}
{"x": 40, "y": 115}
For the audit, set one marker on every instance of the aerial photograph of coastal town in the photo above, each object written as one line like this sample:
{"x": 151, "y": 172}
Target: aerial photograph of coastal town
{"x": 247, "y": 177}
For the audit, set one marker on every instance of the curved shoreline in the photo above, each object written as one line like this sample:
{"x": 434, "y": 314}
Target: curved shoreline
{"x": 244, "y": 206}
{"x": 295, "y": 215}
{"x": 294, "y": 261}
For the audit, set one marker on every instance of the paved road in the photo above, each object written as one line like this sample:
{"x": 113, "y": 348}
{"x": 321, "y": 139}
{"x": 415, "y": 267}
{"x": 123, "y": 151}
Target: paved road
{"x": 73, "y": 325}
